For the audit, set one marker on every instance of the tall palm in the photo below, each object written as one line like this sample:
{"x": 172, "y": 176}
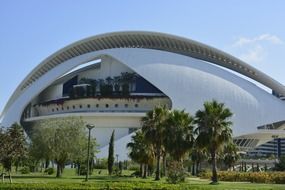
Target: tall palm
{"x": 140, "y": 151}
{"x": 213, "y": 130}
{"x": 230, "y": 155}
{"x": 153, "y": 127}
{"x": 179, "y": 134}
{"x": 198, "y": 154}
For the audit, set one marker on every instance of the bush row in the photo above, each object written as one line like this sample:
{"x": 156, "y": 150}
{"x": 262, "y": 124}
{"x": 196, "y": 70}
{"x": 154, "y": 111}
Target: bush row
{"x": 254, "y": 177}
{"x": 101, "y": 186}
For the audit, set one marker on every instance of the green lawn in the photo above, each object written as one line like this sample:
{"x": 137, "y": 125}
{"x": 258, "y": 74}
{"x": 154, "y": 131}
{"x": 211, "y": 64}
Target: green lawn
{"x": 103, "y": 181}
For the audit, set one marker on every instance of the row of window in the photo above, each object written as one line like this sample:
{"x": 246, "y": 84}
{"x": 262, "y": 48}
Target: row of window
{"x": 89, "y": 106}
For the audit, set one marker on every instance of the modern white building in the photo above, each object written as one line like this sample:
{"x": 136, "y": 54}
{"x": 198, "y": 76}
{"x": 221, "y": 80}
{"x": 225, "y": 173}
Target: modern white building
{"x": 111, "y": 80}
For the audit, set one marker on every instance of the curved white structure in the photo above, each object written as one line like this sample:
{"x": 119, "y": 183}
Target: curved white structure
{"x": 187, "y": 72}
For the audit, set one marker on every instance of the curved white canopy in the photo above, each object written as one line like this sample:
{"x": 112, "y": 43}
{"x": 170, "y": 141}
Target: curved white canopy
{"x": 147, "y": 40}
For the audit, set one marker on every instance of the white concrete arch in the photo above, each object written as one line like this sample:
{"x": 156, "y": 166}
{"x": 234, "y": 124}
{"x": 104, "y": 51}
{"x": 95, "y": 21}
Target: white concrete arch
{"x": 143, "y": 40}
{"x": 185, "y": 80}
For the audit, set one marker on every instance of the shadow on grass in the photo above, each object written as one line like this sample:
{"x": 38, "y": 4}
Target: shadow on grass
{"x": 31, "y": 177}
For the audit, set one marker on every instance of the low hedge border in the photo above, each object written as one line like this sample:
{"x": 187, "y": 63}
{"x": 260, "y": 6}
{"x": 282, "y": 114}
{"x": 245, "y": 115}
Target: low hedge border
{"x": 254, "y": 177}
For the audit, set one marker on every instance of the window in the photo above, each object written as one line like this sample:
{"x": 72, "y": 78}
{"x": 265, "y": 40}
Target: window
{"x": 67, "y": 107}
{"x": 73, "y": 107}
{"x": 56, "y": 109}
{"x": 136, "y": 105}
{"x": 80, "y": 106}
{"x": 52, "y": 110}
{"x": 126, "y": 105}
{"x": 97, "y": 105}
{"x": 88, "y": 105}
{"x": 62, "y": 108}
{"x": 116, "y": 105}
{"x": 107, "y": 105}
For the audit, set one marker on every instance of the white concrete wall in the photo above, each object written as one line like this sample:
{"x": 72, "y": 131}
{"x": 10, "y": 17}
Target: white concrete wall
{"x": 103, "y": 135}
{"x": 99, "y": 105}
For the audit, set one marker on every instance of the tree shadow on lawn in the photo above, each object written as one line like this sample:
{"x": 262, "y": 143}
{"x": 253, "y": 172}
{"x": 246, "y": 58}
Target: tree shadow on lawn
{"x": 32, "y": 177}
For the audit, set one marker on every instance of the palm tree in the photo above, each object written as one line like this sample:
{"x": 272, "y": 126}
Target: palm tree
{"x": 230, "y": 155}
{"x": 213, "y": 130}
{"x": 153, "y": 127}
{"x": 198, "y": 155}
{"x": 127, "y": 80}
{"x": 179, "y": 134}
{"x": 141, "y": 152}
{"x": 116, "y": 81}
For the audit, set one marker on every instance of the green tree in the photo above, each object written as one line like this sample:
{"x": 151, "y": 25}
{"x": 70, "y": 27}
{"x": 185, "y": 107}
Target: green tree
{"x": 111, "y": 153}
{"x": 141, "y": 152}
{"x": 60, "y": 139}
{"x": 280, "y": 166}
{"x": 13, "y": 146}
{"x": 230, "y": 155}
{"x": 178, "y": 134}
{"x": 127, "y": 80}
{"x": 153, "y": 127}
{"x": 198, "y": 154}
{"x": 213, "y": 130}
{"x": 80, "y": 158}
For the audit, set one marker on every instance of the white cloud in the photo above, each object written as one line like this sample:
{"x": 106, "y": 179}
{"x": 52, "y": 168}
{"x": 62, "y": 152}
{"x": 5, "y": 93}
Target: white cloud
{"x": 255, "y": 54}
{"x": 255, "y": 49}
{"x": 261, "y": 38}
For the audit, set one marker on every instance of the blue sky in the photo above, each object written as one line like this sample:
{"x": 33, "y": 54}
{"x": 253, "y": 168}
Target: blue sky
{"x": 31, "y": 30}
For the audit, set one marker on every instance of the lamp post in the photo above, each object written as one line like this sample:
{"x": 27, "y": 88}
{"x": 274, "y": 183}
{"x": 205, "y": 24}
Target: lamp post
{"x": 89, "y": 127}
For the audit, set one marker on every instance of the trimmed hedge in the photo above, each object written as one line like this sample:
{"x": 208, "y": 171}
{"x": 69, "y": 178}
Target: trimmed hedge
{"x": 98, "y": 186}
{"x": 150, "y": 185}
{"x": 254, "y": 177}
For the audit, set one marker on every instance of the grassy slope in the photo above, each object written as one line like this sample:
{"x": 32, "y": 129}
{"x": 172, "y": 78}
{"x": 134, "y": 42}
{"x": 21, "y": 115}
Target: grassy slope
{"x": 103, "y": 181}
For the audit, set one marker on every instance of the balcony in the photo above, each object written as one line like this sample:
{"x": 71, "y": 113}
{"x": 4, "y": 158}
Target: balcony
{"x": 131, "y": 104}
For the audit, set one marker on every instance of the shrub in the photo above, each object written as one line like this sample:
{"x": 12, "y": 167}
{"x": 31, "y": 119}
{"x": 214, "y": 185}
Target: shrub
{"x": 176, "y": 173}
{"x": 83, "y": 170}
{"x": 134, "y": 167}
{"x": 136, "y": 174}
{"x": 101, "y": 164}
{"x": 25, "y": 170}
{"x": 280, "y": 166}
{"x": 49, "y": 171}
{"x": 254, "y": 177}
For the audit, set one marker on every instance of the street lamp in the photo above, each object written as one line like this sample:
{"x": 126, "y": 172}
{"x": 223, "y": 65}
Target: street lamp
{"x": 89, "y": 127}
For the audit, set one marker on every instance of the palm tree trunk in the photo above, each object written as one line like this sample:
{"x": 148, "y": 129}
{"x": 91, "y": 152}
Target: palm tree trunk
{"x": 214, "y": 167}
{"x": 145, "y": 170}
{"x": 197, "y": 167}
{"x": 141, "y": 170}
{"x": 164, "y": 165}
{"x": 193, "y": 168}
{"x": 157, "y": 172}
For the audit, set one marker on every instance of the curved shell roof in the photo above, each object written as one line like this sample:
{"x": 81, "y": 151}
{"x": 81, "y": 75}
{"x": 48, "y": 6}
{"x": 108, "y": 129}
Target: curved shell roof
{"x": 148, "y": 40}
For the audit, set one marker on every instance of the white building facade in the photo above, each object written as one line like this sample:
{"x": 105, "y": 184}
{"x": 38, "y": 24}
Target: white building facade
{"x": 112, "y": 80}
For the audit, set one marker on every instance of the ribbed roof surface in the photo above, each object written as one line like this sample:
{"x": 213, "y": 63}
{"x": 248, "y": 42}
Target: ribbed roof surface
{"x": 148, "y": 40}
